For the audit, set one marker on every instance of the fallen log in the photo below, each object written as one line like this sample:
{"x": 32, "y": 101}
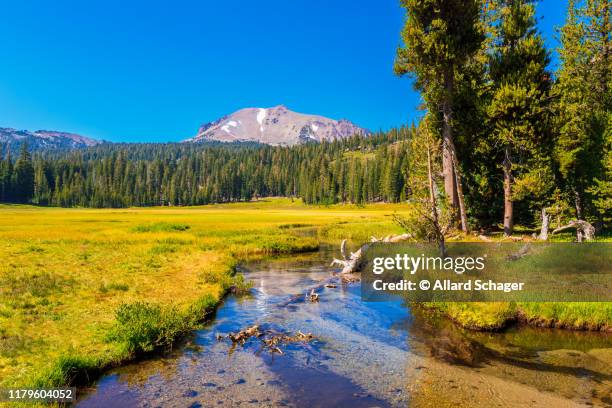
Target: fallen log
{"x": 584, "y": 230}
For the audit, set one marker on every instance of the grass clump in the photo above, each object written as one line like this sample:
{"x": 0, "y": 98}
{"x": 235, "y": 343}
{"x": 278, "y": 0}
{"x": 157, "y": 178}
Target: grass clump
{"x": 69, "y": 370}
{"x": 161, "y": 227}
{"x": 491, "y": 316}
{"x": 163, "y": 249}
{"x": 294, "y": 225}
{"x": 143, "y": 327}
{"x": 289, "y": 245}
{"x": 119, "y": 287}
{"x": 568, "y": 315}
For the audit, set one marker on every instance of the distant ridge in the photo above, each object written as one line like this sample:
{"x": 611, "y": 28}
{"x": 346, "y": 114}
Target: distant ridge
{"x": 277, "y": 126}
{"x": 45, "y": 139}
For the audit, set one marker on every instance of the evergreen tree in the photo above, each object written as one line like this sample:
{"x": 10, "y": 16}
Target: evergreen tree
{"x": 584, "y": 100}
{"x": 23, "y": 177}
{"x": 440, "y": 37}
{"x": 521, "y": 96}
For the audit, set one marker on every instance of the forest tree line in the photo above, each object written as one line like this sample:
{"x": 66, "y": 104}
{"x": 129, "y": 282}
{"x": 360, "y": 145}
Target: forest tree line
{"x": 357, "y": 170}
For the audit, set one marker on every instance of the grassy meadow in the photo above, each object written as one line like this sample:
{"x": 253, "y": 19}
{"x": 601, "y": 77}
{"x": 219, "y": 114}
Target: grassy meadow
{"x": 84, "y": 289}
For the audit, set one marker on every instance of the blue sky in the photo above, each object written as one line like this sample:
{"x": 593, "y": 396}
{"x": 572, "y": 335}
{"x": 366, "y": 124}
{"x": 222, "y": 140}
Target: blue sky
{"x": 154, "y": 71}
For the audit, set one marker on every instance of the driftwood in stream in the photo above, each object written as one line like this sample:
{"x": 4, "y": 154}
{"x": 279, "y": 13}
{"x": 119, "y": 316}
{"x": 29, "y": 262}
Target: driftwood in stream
{"x": 352, "y": 263}
{"x": 348, "y": 279}
{"x": 584, "y": 230}
{"x": 243, "y": 335}
{"x": 313, "y": 296}
{"x": 271, "y": 340}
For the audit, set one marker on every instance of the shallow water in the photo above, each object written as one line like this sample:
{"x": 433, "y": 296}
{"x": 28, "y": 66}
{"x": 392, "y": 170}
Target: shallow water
{"x": 365, "y": 354}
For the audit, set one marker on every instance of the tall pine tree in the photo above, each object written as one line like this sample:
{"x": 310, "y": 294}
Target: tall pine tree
{"x": 439, "y": 37}
{"x": 521, "y": 86}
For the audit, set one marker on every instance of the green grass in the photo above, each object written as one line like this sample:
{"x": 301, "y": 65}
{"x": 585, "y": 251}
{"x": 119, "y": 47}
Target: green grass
{"x": 478, "y": 315}
{"x": 569, "y": 315}
{"x": 143, "y": 327}
{"x": 498, "y": 315}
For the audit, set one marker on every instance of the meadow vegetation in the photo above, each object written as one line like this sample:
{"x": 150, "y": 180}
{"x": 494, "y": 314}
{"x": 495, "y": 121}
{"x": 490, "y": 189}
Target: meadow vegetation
{"x": 82, "y": 290}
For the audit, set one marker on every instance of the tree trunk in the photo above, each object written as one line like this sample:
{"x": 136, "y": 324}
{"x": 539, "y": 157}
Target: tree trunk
{"x": 450, "y": 165}
{"x": 578, "y": 205}
{"x": 460, "y": 196}
{"x": 545, "y": 225}
{"x": 508, "y": 204}
{"x": 450, "y": 187}
{"x": 434, "y": 204}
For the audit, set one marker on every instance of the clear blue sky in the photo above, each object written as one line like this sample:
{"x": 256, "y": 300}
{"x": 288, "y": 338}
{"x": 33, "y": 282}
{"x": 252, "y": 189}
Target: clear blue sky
{"x": 154, "y": 71}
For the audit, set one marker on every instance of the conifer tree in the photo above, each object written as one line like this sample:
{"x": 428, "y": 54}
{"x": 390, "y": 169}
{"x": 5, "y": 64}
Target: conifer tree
{"x": 521, "y": 83}
{"x": 23, "y": 177}
{"x": 439, "y": 37}
{"x": 584, "y": 101}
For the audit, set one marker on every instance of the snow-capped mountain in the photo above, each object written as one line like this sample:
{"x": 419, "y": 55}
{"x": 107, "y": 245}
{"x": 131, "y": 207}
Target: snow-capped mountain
{"x": 44, "y": 139}
{"x": 275, "y": 126}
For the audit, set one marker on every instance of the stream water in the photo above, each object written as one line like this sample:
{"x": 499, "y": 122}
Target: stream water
{"x": 365, "y": 354}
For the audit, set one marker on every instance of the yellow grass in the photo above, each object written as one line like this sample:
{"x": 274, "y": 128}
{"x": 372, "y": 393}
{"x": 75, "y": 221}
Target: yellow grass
{"x": 64, "y": 272}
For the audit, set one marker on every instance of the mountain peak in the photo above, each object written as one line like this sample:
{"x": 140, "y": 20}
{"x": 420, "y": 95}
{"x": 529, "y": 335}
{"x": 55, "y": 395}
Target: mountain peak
{"x": 275, "y": 126}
